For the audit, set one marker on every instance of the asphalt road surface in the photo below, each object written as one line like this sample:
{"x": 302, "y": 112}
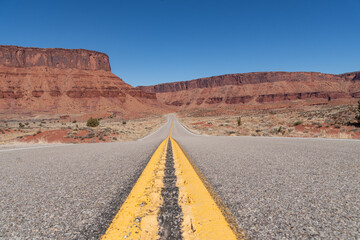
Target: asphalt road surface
{"x": 283, "y": 188}
{"x": 68, "y": 191}
{"x": 277, "y": 188}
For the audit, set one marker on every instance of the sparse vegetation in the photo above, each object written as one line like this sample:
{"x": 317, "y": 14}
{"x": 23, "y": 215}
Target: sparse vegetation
{"x": 21, "y": 125}
{"x": 74, "y": 121}
{"x": 298, "y": 123}
{"x": 278, "y": 130}
{"x": 124, "y": 122}
{"x": 92, "y": 122}
{"x": 358, "y": 113}
{"x": 239, "y": 121}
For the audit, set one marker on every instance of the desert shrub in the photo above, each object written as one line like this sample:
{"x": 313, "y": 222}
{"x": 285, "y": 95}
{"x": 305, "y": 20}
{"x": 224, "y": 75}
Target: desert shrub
{"x": 124, "y": 122}
{"x": 239, "y": 121}
{"x": 278, "y": 130}
{"x": 26, "y": 123}
{"x": 89, "y": 135}
{"x": 92, "y": 122}
{"x": 21, "y": 125}
{"x": 74, "y": 121}
{"x": 358, "y": 113}
{"x": 298, "y": 123}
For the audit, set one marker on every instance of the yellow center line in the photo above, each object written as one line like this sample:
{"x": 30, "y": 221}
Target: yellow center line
{"x": 137, "y": 217}
{"x": 203, "y": 217}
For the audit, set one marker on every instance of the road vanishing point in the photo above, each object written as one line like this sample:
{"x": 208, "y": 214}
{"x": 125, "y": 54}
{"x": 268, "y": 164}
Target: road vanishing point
{"x": 174, "y": 184}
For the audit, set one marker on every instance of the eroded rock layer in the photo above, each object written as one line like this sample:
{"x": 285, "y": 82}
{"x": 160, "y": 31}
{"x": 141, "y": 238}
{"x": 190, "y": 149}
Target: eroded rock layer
{"x": 13, "y": 56}
{"x": 61, "y": 81}
{"x": 258, "y": 88}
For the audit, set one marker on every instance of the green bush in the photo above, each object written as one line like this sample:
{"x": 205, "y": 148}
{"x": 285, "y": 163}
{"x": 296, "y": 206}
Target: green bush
{"x": 92, "y": 122}
{"x": 298, "y": 123}
{"x": 239, "y": 121}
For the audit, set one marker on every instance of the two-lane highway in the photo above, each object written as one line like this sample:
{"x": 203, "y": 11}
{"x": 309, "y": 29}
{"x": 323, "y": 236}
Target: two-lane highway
{"x": 276, "y": 188}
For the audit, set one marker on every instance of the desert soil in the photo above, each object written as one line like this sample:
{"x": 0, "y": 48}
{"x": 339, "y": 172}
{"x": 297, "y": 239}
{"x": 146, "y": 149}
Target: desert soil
{"x": 74, "y": 129}
{"x": 312, "y": 121}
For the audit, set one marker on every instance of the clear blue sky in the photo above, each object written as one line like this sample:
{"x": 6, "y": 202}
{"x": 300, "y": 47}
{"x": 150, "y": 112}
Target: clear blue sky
{"x": 154, "y": 41}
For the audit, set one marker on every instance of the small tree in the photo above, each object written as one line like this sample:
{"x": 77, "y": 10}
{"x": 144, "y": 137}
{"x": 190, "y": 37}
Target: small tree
{"x": 239, "y": 121}
{"x": 92, "y": 122}
{"x": 358, "y": 113}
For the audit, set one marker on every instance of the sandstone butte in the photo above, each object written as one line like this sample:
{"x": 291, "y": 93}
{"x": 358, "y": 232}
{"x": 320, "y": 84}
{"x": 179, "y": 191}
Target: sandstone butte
{"x": 63, "y": 81}
{"x": 260, "y": 90}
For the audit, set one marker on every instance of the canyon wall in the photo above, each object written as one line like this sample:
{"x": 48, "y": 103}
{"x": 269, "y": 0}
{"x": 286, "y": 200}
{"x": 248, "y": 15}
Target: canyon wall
{"x": 258, "y": 88}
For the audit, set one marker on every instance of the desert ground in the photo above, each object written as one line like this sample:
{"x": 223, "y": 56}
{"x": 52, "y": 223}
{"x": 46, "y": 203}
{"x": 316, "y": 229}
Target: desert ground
{"x": 320, "y": 121}
{"x": 69, "y": 129}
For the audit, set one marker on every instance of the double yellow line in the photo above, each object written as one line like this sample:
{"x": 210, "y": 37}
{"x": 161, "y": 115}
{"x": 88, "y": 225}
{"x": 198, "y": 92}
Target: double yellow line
{"x": 204, "y": 216}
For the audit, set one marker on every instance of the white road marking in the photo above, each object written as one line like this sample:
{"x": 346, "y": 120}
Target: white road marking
{"x": 186, "y": 129}
{"x": 27, "y": 148}
{"x": 156, "y": 130}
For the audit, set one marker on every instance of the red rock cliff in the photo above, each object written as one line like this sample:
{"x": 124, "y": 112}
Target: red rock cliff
{"x": 257, "y": 88}
{"x": 247, "y": 78}
{"x": 61, "y": 81}
{"x": 13, "y": 56}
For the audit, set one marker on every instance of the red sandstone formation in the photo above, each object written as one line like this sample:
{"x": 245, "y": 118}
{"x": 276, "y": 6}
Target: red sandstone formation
{"x": 13, "y": 56}
{"x": 62, "y": 81}
{"x": 259, "y": 88}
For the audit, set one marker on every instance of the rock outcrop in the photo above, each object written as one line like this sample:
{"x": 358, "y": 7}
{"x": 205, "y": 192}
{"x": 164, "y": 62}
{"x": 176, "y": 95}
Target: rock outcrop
{"x": 258, "y": 88}
{"x": 62, "y": 81}
{"x": 13, "y": 56}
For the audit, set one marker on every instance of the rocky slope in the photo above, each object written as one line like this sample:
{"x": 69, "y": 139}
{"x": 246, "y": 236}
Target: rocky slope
{"x": 259, "y": 89}
{"x": 62, "y": 81}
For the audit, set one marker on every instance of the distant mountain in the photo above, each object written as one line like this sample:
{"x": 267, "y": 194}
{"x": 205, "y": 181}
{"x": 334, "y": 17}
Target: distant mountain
{"x": 258, "y": 90}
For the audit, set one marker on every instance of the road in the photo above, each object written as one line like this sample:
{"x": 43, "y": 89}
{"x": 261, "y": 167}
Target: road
{"x": 68, "y": 191}
{"x": 276, "y": 188}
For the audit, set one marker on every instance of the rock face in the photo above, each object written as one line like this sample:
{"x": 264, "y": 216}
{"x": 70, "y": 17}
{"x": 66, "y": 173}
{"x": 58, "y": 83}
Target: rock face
{"x": 61, "y": 81}
{"x": 13, "y": 56}
{"x": 259, "y": 88}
